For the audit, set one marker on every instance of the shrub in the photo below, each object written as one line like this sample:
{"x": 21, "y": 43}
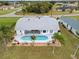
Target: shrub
{"x": 59, "y": 37}
{"x": 41, "y": 7}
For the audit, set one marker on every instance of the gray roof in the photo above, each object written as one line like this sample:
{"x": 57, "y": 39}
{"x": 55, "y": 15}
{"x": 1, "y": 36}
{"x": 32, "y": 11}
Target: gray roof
{"x": 72, "y": 22}
{"x": 37, "y": 23}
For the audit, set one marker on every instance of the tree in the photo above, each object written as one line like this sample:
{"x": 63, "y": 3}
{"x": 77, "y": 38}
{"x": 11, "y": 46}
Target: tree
{"x": 59, "y": 37}
{"x": 23, "y": 11}
{"x": 4, "y": 3}
{"x": 71, "y": 10}
{"x": 5, "y": 33}
{"x": 39, "y": 7}
{"x": 33, "y": 37}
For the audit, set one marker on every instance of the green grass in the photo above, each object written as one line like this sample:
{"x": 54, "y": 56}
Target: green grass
{"x": 75, "y": 17}
{"x": 58, "y": 12}
{"x": 63, "y": 52}
{"x": 49, "y": 13}
{"x": 2, "y": 12}
{"x": 8, "y": 20}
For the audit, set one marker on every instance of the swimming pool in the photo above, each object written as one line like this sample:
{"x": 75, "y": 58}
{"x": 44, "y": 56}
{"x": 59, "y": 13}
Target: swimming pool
{"x": 38, "y": 38}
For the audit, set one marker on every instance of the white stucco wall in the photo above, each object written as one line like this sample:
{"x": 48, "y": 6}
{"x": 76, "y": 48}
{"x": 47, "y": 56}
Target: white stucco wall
{"x": 22, "y": 32}
{"x": 18, "y": 32}
{"x": 69, "y": 27}
{"x": 74, "y": 31}
{"x": 65, "y": 24}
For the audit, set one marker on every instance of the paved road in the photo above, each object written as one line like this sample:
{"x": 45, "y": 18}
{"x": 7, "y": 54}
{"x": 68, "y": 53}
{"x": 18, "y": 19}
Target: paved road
{"x": 65, "y": 15}
{"x": 12, "y": 14}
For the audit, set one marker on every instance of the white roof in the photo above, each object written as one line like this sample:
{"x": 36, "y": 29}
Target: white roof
{"x": 37, "y": 23}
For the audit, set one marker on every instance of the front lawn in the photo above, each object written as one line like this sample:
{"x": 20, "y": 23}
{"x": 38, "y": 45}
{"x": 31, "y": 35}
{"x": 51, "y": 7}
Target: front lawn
{"x": 2, "y": 12}
{"x": 8, "y": 20}
{"x": 63, "y": 52}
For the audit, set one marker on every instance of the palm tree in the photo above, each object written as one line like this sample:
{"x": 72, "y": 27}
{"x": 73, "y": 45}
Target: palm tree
{"x": 58, "y": 37}
{"x": 33, "y": 39}
{"x": 23, "y": 11}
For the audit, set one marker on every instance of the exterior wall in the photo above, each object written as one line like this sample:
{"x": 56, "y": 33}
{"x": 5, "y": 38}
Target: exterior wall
{"x": 11, "y": 7}
{"x": 18, "y": 32}
{"x": 74, "y": 31}
{"x": 69, "y": 27}
{"x": 65, "y": 24}
{"x": 22, "y": 32}
{"x": 47, "y": 32}
{"x": 5, "y": 8}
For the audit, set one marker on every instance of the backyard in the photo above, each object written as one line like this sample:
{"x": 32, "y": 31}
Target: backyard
{"x": 19, "y": 52}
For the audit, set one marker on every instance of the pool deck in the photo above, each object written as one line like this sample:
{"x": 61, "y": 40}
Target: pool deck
{"x": 57, "y": 44}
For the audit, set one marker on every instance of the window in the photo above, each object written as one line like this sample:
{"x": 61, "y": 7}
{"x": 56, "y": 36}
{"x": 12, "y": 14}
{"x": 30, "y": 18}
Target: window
{"x": 44, "y": 31}
{"x": 59, "y": 31}
{"x": 51, "y": 31}
{"x": 67, "y": 25}
{"x": 26, "y": 31}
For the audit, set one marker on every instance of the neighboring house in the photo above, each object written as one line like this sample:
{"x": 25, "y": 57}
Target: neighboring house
{"x": 71, "y": 24}
{"x": 34, "y": 25}
{"x": 4, "y": 7}
{"x": 67, "y": 8}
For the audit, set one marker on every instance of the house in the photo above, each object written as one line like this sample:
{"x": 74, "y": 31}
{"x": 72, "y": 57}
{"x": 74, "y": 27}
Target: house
{"x": 71, "y": 24}
{"x": 4, "y": 7}
{"x": 67, "y": 6}
{"x": 38, "y": 26}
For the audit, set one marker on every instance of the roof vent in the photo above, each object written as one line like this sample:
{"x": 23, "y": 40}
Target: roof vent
{"x": 39, "y": 17}
{"x": 28, "y": 19}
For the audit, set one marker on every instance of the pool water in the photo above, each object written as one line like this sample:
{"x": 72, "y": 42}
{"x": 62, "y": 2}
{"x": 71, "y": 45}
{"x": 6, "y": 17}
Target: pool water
{"x": 28, "y": 38}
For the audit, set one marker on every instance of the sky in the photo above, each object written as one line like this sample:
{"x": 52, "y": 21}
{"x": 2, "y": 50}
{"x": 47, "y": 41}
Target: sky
{"x": 39, "y": 0}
